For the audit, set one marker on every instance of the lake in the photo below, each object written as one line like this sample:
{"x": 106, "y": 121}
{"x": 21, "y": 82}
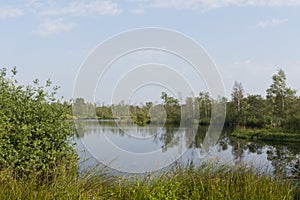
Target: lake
{"x": 133, "y": 149}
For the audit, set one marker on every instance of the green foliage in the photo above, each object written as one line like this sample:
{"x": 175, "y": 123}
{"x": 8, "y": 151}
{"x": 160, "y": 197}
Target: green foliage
{"x": 140, "y": 115}
{"x": 292, "y": 124}
{"x": 204, "y": 182}
{"x": 237, "y": 97}
{"x": 274, "y": 135}
{"x": 279, "y": 109}
{"x": 34, "y": 132}
{"x": 104, "y": 112}
{"x": 279, "y": 94}
{"x": 84, "y": 110}
{"x": 205, "y": 103}
{"x": 172, "y": 108}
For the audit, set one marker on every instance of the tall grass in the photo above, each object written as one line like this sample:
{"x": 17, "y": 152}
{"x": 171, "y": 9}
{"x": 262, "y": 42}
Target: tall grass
{"x": 204, "y": 182}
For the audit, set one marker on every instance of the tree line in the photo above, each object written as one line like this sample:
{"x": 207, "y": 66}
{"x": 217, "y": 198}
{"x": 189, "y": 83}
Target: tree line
{"x": 280, "y": 108}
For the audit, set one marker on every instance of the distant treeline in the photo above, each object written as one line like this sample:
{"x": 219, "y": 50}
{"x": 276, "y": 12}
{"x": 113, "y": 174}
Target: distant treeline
{"x": 280, "y": 108}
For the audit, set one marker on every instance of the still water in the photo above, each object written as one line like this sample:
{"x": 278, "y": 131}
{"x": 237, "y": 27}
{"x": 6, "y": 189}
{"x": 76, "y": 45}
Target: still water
{"x": 129, "y": 148}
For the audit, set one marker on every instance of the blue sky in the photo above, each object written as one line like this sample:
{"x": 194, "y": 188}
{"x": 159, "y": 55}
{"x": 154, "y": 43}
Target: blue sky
{"x": 248, "y": 40}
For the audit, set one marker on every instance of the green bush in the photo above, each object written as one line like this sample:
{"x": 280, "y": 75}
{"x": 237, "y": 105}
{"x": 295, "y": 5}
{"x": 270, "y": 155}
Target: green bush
{"x": 255, "y": 123}
{"x": 34, "y": 131}
{"x": 292, "y": 124}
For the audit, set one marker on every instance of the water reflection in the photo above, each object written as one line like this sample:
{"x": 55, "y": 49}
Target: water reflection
{"x": 162, "y": 144}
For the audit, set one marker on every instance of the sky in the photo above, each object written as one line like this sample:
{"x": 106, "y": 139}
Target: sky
{"x": 248, "y": 40}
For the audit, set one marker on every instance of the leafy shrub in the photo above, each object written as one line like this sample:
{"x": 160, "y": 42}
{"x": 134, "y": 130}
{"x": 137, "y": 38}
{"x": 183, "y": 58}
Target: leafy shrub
{"x": 255, "y": 123}
{"x": 292, "y": 124}
{"x": 34, "y": 131}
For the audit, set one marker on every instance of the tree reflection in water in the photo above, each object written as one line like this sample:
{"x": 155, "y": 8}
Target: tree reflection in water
{"x": 274, "y": 157}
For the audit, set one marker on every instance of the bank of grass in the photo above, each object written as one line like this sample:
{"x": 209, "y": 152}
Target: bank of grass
{"x": 205, "y": 182}
{"x": 271, "y": 134}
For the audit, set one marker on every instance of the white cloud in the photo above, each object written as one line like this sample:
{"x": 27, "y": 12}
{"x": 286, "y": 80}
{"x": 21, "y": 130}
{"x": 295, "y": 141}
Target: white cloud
{"x": 245, "y": 62}
{"x": 10, "y": 12}
{"x": 53, "y": 27}
{"x": 273, "y": 22}
{"x": 177, "y": 4}
{"x": 102, "y": 7}
{"x": 34, "y": 3}
{"x": 138, "y": 11}
{"x": 210, "y": 4}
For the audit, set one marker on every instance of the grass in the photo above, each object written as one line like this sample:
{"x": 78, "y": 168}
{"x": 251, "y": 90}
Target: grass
{"x": 266, "y": 135}
{"x": 204, "y": 182}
